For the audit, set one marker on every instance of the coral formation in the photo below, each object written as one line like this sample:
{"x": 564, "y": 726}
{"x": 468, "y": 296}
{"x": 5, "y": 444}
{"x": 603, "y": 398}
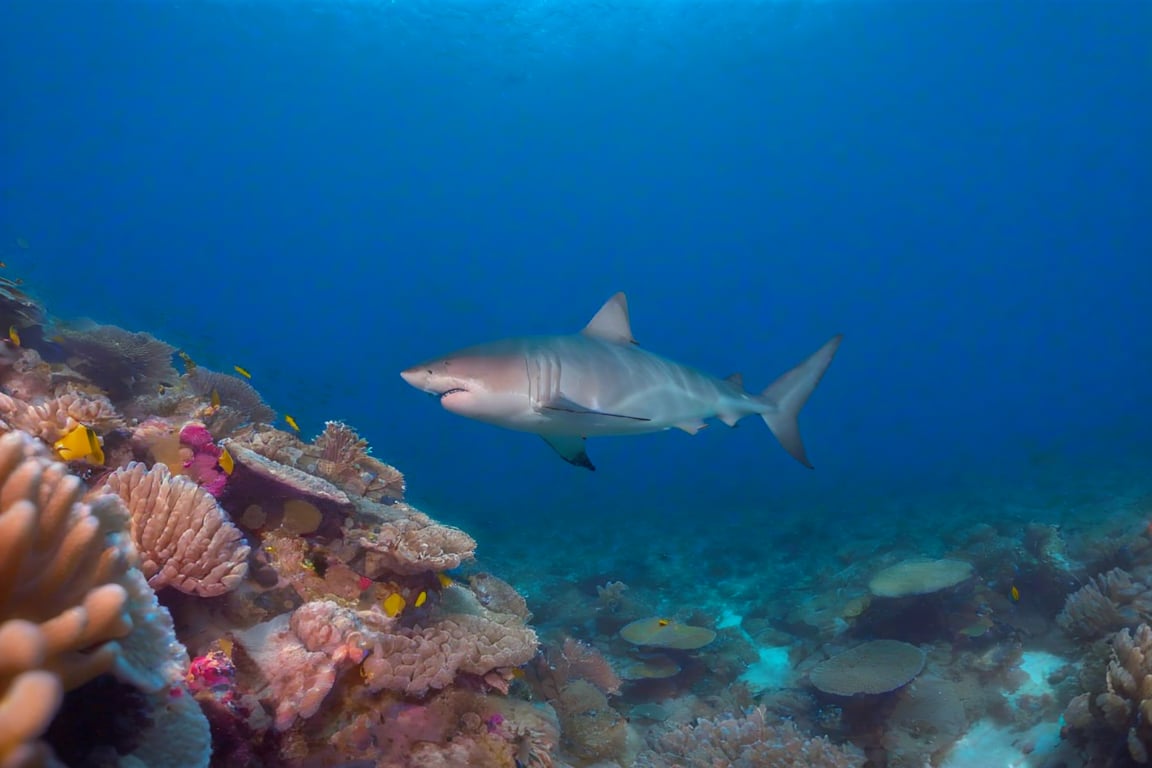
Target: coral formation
{"x": 878, "y": 666}
{"x": 919, "y": 577}
{"x": 745, "y": 741}
{"x": 1123, "y": 711}
{"x": 239, "y": 402}
{"x": 1108, "y": 602}
{"x": 120, "y": 362}
{"x": 73, "y": 607}
{"x": 187, "y": 541}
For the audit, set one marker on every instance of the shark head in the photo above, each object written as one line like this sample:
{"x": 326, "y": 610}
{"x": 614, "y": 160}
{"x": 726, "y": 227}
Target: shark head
{"x": 488, "y": 382}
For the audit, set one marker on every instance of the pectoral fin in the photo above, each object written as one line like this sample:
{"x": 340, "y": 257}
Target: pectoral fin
{"x": 562, "y": 403}
{"x": 571, "y": 449}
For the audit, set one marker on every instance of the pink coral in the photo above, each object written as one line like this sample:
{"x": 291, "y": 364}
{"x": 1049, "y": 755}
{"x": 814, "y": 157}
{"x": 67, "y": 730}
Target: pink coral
{"x": 185, "y": 539}
{"x": 203, "y": 465}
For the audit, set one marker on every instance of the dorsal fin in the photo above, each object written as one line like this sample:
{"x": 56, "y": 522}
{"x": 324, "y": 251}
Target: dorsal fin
{"x": 736, "y": 379}
{"x": 611, "y": 322}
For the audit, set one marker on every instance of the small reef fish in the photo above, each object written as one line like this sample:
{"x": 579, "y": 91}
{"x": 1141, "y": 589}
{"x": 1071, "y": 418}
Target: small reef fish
{"x": 292, "y": 423}
{"x": 599, "y": 382}
{"x": 189, "y": 363}
{"x": 226, "y": 462}
{"x": 242, "y": 371}
{"x": 445, "y": 580}
{"x": 215, "y": 398}
{"x": 1015, "y": 593}
{"x": 81, "y": 444}
{"x": 13, "y": 336}
{"x": 394, "y": 604}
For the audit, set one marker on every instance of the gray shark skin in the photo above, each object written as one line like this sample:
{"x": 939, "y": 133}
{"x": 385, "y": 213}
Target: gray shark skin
{"x": 599, "y": 382}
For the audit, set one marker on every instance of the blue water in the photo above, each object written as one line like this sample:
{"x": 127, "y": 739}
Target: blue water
{"x": 328, "y": 192}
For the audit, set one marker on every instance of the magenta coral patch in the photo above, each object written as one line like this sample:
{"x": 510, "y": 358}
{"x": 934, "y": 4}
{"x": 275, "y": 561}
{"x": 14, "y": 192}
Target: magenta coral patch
{"x": 204, "y": 465}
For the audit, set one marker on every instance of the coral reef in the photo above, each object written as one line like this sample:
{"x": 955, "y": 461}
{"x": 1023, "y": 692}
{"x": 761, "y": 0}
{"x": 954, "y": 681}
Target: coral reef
{"x": 335, "y": 623}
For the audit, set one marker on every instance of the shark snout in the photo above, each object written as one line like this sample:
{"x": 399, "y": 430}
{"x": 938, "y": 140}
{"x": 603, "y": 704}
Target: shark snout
{"x": 416, "y": 376}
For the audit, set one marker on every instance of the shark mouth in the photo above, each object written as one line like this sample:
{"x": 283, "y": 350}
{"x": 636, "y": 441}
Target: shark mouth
{"x": 452, "y": 391}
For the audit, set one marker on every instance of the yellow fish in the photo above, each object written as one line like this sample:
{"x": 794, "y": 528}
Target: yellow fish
{"x": 215, "y": 398}
{"x": 393, "y": 604}
{"x": 242, "y": 371}
{"x": 420, "y": 599}
{"x": 1015, "y": 594}
{"x": 292, "y": 422}
{"x": 13, "y": 335}
{"x": 189, "y": 363}
{"x": 445, "y": 580}
{"x": 226, "y": 645}
{"x": 81, "y": 444}
{"x": 226, "y": 462}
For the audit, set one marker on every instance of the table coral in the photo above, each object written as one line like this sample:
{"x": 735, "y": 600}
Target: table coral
{"x": 186, "y": 540}
{"x": 874, "y": 667}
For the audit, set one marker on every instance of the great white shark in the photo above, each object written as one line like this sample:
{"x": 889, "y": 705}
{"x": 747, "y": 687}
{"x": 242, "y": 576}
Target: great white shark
{"x": 600, "y": 382}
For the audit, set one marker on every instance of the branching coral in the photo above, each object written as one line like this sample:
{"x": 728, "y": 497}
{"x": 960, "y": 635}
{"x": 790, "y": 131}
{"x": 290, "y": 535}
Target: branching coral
{"x": 749, "y": 741}
{"x": 343, "y": 457}
{"x": 1107, "y": 603}
{"x": 185, "y": 538}
{"x": 1126, "y": 706}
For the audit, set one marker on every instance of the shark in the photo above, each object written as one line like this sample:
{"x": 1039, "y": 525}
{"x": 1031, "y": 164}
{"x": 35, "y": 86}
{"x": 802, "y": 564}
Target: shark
{"x": 600, "y": 382}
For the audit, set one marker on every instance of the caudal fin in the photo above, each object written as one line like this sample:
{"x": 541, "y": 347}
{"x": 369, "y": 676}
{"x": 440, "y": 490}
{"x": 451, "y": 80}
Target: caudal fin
{"x": 789, "y": 393}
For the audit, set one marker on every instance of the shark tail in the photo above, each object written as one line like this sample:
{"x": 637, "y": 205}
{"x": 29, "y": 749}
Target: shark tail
{"x": 787, "y": 395}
